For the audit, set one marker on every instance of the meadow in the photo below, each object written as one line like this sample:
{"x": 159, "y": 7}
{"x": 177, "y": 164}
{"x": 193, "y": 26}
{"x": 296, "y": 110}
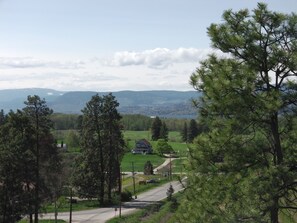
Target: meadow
{"x": 139, "y": 160}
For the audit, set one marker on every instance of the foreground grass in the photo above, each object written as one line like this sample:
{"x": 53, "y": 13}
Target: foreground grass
{"x": 159, "y": 212}
{"x": 79, "y": 206}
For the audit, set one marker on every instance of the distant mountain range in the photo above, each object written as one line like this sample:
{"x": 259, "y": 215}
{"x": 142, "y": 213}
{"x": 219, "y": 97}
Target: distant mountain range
{"x": 176, "y": 104}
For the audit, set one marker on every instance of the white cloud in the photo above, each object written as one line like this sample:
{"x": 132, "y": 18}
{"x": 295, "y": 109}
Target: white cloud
{"x": 154, "y": 69}
{"x": 159, "y": 58}
{"x": 29, "y": 62}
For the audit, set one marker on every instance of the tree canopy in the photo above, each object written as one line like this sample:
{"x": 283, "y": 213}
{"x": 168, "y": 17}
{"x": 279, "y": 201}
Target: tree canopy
{"x": 249, "y": 105}
{"x": 163, "y": 147}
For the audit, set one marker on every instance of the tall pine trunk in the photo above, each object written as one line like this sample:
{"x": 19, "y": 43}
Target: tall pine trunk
{"x": 111, "y": 165}
{"x": 274, "y": 211}
{"x": 278, "y": 160}
{"x": 36, "y": 208}
{"x": 102, "y": 177}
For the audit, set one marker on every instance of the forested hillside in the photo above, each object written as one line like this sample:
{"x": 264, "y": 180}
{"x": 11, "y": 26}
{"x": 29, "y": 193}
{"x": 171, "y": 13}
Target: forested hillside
{"x": 175, "y": 104}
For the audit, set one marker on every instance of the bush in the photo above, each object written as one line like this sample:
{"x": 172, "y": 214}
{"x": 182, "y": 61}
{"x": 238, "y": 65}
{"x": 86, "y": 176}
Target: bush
{"x": 163, "y": 147}
{"x": 148, "y": 168}
{"x": 126, "y": 196}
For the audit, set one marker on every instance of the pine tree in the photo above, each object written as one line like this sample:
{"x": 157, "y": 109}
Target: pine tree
{"x": 184, "y": 133}
{"x": 249, "y": 104}
{"x": 44, "y": 149}
{"x": 163, "y": 132}
{"x": 102, "y": 149}
{"x": 193, "y": 130}
{"x": 148, "y": 168}
{"x": 114, "y": 142}
{"x": 2, "y": 117}
{"x": 156, "y": 128}
{"x": 14, "y": 192}
{"x": 28, "y": 159}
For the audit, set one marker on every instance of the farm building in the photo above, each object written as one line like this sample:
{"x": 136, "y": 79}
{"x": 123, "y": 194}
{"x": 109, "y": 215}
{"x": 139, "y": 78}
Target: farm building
{"x": 142, "y": 147}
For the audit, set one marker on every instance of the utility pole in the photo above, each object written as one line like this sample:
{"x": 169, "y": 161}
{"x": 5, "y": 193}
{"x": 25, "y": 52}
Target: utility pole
{"x": 70, "y": 211}
{"x": 170, "y": 167}
{"x": 120, "y": 187}
{"x": 133, "y": 177}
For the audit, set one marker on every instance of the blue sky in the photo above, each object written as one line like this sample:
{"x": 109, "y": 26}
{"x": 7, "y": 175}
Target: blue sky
{"x": 109, "y": 45}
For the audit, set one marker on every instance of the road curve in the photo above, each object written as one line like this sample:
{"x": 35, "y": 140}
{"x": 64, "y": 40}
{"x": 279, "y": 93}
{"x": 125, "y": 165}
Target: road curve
{"x": 100, "y": 215}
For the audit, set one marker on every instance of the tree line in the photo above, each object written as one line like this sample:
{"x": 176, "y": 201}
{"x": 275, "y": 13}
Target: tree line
{"x": 132, "y": 122}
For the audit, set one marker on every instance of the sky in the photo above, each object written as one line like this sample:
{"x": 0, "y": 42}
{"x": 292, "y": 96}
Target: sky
{"x": 109, "y": 45}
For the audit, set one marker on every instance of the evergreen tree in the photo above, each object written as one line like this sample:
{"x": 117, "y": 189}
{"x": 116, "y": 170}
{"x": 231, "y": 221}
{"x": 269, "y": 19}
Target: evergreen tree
{"x": 156, "y": 128}
{"x": 2, "y": 117}
{"x": 102, "y": 149}
{"x": 169, "y": 193}
{"x": 249, "y": 104}
{"x": 43, "y": 149}
{"x": 29, "y": 161}
{"x": 148, "y": 168}
{"x": 15, "y": 175}
{"x": 184, "y": 133}
{"x": 193, "y": 130}
{"x": 163, "y": 132}
{"x": 90, "y": 173}
{"x": 114, "y": 142}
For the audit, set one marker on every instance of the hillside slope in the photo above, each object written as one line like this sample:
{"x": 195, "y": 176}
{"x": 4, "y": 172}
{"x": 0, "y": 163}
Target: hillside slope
{"x": 152, "y": 103}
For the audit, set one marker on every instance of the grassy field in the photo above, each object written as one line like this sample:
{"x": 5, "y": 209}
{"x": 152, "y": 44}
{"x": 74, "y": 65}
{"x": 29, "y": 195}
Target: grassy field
{"x": 139, "y": 161}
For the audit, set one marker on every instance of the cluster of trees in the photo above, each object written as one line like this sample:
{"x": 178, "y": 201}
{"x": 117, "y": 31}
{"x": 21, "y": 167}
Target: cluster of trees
{"x": 29, "y": 161}
{"x": 159, "y": 129}
{"x": 97, "y": 171}
{"x": 136, "y": 122}
{"x": 189, "y": 133}
{"x": 66, "y": 121}
{"x": 249, "y": 104}
{"x": 33, "y": 172}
